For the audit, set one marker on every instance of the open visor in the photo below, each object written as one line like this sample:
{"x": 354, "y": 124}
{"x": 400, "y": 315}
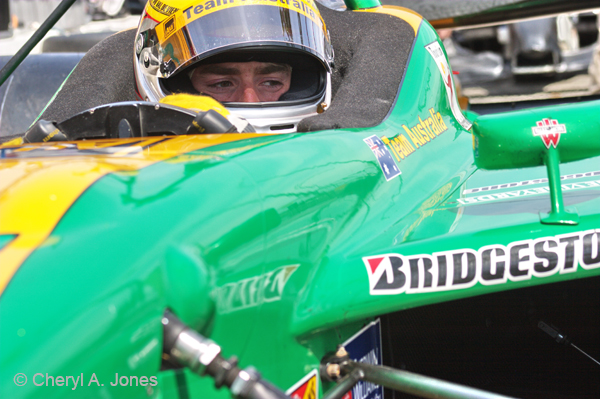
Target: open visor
{"x": 214, "y": 26}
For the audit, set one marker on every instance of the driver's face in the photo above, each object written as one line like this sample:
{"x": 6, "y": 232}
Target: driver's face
{"x": 248, "y": 82}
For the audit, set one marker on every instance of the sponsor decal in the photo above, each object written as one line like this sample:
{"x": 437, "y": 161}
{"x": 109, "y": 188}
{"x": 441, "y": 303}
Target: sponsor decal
{"x": 549, "y": 130}
{"x": 393, "y": 274}
{"x": 306, "y": 388}
{"x": 525, "y": 193}
{"x": 426, "y": 130}
{"x": 421, "y": 133}
{"x": 399, "y": 145}
{"x": 365, "y": 347}
{"x": 169, "y": 26}
{"x": 386, "y": 162}
{"x": 255, "y": 290}
{"x": 202, "y": 8}
{"x": 529, "y": 182}
{"x": 440, "y": 59}
{"x": 162, "y": 8}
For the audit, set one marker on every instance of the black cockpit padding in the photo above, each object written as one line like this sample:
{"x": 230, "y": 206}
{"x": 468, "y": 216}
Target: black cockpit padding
{"x": 371, "y": 53}
{"x": 103, "y": 76}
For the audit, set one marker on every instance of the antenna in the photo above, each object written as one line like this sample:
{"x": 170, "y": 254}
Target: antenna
{"x": 561, "y": 338}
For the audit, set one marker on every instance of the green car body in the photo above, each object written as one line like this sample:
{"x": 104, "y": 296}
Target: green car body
{"x": 277, "y": 247}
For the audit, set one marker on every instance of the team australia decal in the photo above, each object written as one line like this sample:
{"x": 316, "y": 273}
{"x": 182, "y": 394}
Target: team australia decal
{"x": 549, "y": 130}
{"x": 393, "y": 274}
{"x": 419, "y": 134}
{"x": 386, "y": 162}
{"x": 440, "y": 59}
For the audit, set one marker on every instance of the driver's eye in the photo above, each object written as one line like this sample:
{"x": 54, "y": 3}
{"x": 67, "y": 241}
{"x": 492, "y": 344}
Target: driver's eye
{"x": 222, "y": 84}
{"x": 272, "y": 84}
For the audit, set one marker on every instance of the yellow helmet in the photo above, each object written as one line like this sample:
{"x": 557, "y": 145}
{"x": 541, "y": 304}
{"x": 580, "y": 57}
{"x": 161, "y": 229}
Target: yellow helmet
{"x": 175, "y": 36}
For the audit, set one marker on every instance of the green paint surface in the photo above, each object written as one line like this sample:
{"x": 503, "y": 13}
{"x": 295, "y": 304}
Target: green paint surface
{"x": 261, "y": 245}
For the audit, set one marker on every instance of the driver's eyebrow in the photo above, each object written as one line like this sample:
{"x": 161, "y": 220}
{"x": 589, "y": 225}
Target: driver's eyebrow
{"x": 273, "y": 68}
{"x": 218, "y": 70}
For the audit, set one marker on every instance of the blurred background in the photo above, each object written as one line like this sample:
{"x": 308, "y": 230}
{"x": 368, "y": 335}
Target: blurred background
{"x": 500, "y": 66}
{"x": 31, "y": 86}
{"x": 83, "y": 25}
{"x": 516, "y": 65}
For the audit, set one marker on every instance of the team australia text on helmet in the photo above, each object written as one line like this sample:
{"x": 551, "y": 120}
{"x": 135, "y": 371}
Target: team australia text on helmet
{"x": 266, "y": 61}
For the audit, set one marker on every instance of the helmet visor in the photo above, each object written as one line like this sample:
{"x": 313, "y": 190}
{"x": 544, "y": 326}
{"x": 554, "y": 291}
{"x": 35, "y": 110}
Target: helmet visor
{"x": 213, "y": 26}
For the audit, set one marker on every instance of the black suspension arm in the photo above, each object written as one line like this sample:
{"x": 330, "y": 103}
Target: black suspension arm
{"x": 203, "y": 357}
{"x": 340, "y": 365}
{"x": 417, "y": 384}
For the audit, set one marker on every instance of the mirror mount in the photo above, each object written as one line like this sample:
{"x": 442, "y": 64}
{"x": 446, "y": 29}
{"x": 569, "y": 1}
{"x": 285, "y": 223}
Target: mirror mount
{"x": 558, "y": 214}
{"x": 540, "y": 136}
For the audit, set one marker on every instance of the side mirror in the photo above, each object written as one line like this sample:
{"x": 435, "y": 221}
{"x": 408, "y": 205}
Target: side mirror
{"x": 539, "y": 136}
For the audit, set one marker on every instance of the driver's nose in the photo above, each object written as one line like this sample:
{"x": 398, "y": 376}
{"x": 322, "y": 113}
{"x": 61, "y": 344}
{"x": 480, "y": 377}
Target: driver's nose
{"x": 249, "y": 95}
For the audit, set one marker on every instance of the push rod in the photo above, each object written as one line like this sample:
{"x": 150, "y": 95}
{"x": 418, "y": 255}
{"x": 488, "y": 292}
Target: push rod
{"x": 38, "y": 35}
{"x": 416, "y": 384}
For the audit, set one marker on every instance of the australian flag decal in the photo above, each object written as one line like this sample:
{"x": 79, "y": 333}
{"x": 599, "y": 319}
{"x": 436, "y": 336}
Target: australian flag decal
{"x": 386, "y": 162}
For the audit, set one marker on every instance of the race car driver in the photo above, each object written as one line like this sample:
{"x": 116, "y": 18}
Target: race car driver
{"x": 266, "y": 61}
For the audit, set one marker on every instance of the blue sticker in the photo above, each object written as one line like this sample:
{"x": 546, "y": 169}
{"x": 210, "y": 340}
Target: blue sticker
{"x": 365, "y": 347}
{"x": 386, "y": 162}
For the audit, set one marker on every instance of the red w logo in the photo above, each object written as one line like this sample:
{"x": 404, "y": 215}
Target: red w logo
{"x": 551, "y": 139}
{"x": 549, "y": 130}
